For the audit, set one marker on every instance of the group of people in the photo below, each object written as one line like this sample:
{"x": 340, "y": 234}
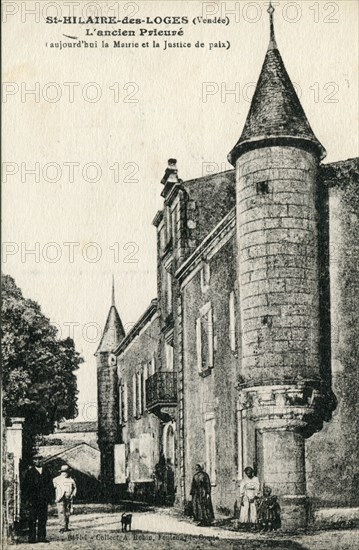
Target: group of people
{"x": 252, "y": 509}
{"x": 255, "y": 510}
{"x": 39, "y": 490}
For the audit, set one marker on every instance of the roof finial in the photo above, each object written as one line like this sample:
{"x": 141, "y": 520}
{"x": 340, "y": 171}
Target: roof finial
{"x": 272, "y": 42}
{"x": 113, "y": 291}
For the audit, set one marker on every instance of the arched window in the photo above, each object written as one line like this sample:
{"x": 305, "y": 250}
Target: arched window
{"x": 169, "y": 442}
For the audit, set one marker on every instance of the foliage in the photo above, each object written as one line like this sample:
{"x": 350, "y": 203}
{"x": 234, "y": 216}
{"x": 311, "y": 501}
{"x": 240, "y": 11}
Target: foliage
{"x": 39, "y": 381}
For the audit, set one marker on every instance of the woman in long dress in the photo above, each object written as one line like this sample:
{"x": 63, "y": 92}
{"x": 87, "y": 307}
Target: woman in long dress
{"x": 249, "y": 491}
{"x": 201, "y": 497}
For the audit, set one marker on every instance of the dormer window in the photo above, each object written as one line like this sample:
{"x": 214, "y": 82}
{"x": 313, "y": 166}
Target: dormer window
{"x": 162, "y": 237}
{"x": 168, "y": 225}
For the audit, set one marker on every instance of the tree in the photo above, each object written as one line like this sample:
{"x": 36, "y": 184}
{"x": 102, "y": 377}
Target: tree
{"x": 39, "y": 381}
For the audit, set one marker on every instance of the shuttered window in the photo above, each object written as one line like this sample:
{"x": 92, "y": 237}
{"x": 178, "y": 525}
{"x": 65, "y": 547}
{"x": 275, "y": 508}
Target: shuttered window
{"x": 205, "y": 339}
{"x": 144, "y": 378}
{"x": 139, "y": 393}
{"x": 125, "y": 402}
{"x": 134, "y": 395}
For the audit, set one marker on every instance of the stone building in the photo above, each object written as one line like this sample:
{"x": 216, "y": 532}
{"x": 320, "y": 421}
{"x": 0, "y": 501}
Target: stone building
{"x": 249, "y": 347}
{"x": 74, "y": 444}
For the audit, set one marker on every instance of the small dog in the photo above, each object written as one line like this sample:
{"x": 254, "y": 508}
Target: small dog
{"x": 126, "y": 521}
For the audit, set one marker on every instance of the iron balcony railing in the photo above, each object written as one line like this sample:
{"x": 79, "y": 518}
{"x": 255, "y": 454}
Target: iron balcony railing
{"x": 161, "y": 390}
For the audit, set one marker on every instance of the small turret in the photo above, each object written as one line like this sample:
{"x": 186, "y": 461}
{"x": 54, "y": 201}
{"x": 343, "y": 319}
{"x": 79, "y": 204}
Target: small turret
{"x": 113, "y": 332}
{"x": 107, "y": 395}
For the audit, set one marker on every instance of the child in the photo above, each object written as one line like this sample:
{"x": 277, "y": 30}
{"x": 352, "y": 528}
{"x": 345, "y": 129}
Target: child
{"x": 269, "y": 511}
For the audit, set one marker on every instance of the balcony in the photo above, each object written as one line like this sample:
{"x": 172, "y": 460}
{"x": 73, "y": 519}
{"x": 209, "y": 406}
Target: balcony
{"x": 161, "y": 394}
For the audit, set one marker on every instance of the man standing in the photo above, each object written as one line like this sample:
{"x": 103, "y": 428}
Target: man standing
{"x": 66, "y": 490}
{"x": 201, "y": 497}
{"x": 38, "y": 492}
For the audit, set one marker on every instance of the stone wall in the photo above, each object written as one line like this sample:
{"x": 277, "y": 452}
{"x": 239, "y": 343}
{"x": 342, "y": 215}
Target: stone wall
{"x": 332, "y": 454}
{"x": 210, "y": 198}
{"x": 213, "y": 394}
{"x": 278, "y": 264}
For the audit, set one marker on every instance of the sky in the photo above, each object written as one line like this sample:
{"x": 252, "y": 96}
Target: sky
{"x": 103, "y": 122}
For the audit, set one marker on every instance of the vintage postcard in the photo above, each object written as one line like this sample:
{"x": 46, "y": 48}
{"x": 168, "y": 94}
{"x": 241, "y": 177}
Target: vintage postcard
{"x": 180, "y": 267}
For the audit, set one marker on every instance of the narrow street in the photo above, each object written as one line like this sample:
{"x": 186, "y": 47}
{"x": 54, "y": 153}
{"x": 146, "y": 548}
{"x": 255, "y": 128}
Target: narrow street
{"x": 161, "y": 529}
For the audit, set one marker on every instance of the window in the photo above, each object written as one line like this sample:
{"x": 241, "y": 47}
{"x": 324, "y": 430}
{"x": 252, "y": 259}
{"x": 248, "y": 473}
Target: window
{"x": 168, "y": 292}
{"x": 262, "y": 187}
{"x": 120, "y": 403}
{"x": 144, "y": 378}
{"x": 139, "y": 393}
{"x": 205, "y": 277}
{"x": 162, "y": 239}
{"x": 210, "y": 437}
{"x": 169, "y": 357}
{"x": 204, "y": 334}
{"x": 134, "y": 395}
{"x": 232, "y": 321}
{"x": 124, "y": 403}
{"x": 152, "y": 366}
{"x": 174, "y": 223}
{"x": 168, "y": 225}
{"x": 167, "y": 286}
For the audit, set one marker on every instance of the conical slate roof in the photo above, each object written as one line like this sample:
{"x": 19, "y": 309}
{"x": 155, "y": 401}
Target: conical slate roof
{"x": 113, "y": 333}
{"x": 275, "y": 115}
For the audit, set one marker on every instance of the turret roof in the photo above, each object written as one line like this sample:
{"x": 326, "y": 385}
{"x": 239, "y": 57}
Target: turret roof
{"x": 113, "y": 333}
{"x": 275, "y": 113}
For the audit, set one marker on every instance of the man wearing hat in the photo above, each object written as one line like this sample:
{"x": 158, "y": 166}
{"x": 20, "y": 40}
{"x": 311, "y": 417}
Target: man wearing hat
{"x": 65, "y": 488}
{"x": 38, "y": 492}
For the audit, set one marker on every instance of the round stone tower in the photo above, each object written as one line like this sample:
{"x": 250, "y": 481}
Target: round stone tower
{"x": 276, "y": 161}
{"x": 108, "y": 430}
